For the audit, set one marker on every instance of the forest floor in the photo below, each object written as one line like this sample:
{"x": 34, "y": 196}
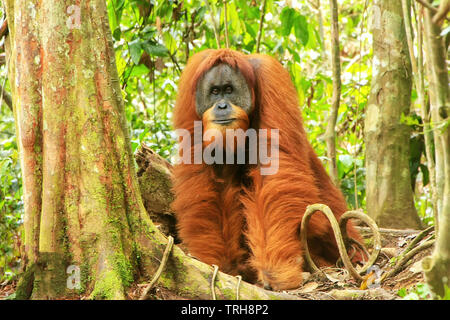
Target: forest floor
{"x": 338, "y": 284}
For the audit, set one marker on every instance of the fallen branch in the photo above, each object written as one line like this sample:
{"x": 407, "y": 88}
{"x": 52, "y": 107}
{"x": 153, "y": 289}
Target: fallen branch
{"x": 354, "y": 294}
{"x": 417, "y": 239}
{"x": 410, "y": 252}
{"x": 393, "y": 232}
{"x": 404, "y": 257}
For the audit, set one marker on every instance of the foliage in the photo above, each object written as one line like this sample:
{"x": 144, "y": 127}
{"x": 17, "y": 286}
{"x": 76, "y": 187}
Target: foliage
{"x": 11, "y": 204}
{"x": 421, "y": 291}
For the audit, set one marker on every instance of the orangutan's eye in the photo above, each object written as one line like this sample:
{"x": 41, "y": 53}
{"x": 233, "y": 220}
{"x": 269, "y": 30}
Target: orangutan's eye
{"x": 229, "y": 89}
{"x": 215, "y": 91}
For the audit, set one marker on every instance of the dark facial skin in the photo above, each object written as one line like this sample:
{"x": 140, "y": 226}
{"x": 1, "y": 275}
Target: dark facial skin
{"x": 220, "y": 87}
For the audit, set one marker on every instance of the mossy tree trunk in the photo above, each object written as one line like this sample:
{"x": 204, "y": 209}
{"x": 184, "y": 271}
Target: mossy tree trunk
{"x": 389, "y": 193}
{"x": 83, "y": 206}
{"x": 437, "y": 267}
{"x": 82, "y": 201}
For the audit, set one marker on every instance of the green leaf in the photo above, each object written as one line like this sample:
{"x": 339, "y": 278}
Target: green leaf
{"x": 117, "y": 33}
{"x": 301, "y": 29}
{"x": 402, "y": 292}
{"x": 347, "y": 161}
{"x": 155, "y": 49}
{"x": 446, "y": 293}
{"x": 138, "y": 71}
{"x": 11, "y": 297}
{"x": 135, "y": 48}
{"x": 287, "y": 20}
{"x": 250, "y": 29}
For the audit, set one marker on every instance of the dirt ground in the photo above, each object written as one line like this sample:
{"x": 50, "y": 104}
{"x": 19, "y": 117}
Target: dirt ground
{"x": 337, "y": 284}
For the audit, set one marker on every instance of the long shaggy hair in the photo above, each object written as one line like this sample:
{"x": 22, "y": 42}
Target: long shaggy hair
{"x": 236, "y": 218}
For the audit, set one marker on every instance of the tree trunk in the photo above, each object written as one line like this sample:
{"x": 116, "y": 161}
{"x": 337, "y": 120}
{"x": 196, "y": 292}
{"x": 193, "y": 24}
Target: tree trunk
{"x": 437, "y": 267}
{"x": 83, "y": 208}
{"x": 389, "y": 192}
{"x": 418, "y": 76}
{"x": 330, "y": 134}
{"x": 82, "y": 201}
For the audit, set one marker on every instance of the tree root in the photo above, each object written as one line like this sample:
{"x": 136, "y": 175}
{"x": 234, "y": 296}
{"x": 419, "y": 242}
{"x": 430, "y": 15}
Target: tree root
{"x": 160, "y": 269}
{"x": 340, "y": 236}
{"x": 213, "y": 279}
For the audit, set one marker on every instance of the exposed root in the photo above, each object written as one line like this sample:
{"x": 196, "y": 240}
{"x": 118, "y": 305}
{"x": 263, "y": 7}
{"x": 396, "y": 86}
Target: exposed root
{"x": 213, "y": 279}
{"x": 310, "y": 210}
{"x": 166, "y": 254}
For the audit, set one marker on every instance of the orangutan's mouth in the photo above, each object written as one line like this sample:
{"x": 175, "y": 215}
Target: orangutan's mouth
{"x": 224, "y": 121}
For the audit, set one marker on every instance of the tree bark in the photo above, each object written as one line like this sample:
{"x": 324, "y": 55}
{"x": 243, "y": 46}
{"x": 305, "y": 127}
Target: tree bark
{"x": 418, "y": 76}
{"x": 82, "y": 201}
{"x": 437, "y": 267}
{"x": 389, "y": 192}
{"x": 330, "y": 134}
{"x": 83, "y": 205}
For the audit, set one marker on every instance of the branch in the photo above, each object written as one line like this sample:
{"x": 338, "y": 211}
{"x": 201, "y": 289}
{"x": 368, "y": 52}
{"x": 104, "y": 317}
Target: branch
{"x": 441, "y": 13}
{"x": 404, "y": 258}
{"x": 410, "y": 252}
{"x": 427, "y": 5}
{"x": 227, "y": 41}
{"x": 261, "y": 22}
{"x": 214, "y": 22}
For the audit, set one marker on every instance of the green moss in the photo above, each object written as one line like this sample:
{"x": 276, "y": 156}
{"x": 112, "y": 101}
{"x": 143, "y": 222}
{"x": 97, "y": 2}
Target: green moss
{"x": 166, "y": 281}
{"x": 111, "y": 284}
{"x": 124, "y": 269}
{"x": 50, "y": 278}
{"x": 25, "y": 285}
{"x": 109, "y": 287}
{"x": 85, "y": 276}
{"x": 228, "y": 293}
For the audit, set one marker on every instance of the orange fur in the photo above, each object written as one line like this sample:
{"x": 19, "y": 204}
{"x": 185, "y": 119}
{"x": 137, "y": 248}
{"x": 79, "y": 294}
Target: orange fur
{"x": 233, "y": 216}
{"x": 241, "y": 122}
